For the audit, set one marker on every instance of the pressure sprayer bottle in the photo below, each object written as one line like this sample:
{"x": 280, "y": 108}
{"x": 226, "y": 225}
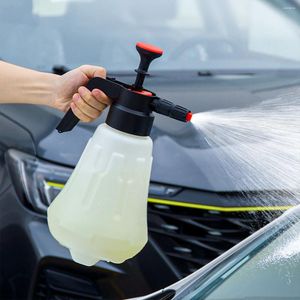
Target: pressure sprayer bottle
{"x": 101, "y": 213}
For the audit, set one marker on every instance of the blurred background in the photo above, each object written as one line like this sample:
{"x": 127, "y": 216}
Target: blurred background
{"x": 248, "y": 34}
{"x": 217, "y": 54}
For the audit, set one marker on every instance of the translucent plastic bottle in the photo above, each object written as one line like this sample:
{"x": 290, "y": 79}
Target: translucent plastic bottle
{"x": 101, "y": 214}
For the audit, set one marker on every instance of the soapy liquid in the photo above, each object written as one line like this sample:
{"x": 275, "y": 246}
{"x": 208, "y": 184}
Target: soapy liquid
{"x": 259, "y": 146}
{"x": 260, "y": 152}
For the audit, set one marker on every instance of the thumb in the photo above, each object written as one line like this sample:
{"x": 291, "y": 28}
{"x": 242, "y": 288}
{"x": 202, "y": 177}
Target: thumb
{"x": 93, "y": 71}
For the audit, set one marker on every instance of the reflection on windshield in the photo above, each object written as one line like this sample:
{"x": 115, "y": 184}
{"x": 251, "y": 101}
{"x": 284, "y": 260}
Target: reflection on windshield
{"x": 196, "y": 34}
{"x": 272, "y": 273}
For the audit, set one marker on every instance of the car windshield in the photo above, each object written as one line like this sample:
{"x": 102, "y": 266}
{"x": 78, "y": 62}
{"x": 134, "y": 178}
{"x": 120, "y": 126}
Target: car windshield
{"x": 269, "y": 268}
{"x": 195, "y": 34}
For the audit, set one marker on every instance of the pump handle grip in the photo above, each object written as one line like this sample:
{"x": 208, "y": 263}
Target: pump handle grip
{"x": 108, "y": 86}
{"x": 68, "y": 122}
{"x": 147, "y": 53}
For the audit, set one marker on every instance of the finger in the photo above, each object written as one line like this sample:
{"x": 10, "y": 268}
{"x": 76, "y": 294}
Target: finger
{"x": 89, "y": 98}
{"x": 79, "y": 114}
{"x": 100, "y": 96}
{"x": 93, "y": 71}
{"x": 86, "y": 108}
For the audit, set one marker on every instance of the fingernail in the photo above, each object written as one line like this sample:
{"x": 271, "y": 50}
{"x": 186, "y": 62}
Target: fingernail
{"x": 97, "y": 93}
{"x": 81, "y": 90}
{"x": 76, "y": 97}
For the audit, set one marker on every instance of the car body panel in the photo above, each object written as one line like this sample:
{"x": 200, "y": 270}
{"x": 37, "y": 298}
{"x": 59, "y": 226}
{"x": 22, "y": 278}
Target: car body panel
{"x": 171, "y": 139}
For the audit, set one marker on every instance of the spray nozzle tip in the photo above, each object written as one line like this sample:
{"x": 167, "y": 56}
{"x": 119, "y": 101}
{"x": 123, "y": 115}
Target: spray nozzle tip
{"x": 189, "y": 116}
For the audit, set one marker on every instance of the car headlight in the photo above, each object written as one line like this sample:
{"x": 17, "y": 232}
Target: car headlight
{"x": 37, "y": 182}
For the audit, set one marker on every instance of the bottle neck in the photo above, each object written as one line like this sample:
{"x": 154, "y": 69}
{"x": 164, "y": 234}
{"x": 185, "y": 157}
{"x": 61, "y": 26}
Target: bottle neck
{"x": 129, "y": 121}
{"x": 131, "y": 113}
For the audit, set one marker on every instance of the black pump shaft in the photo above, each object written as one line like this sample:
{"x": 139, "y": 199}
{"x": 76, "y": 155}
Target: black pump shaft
{"x": 147, "y": 54}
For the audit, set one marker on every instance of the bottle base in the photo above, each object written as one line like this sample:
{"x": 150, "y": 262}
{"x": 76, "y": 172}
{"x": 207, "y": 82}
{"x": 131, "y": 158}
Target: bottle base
{"x": 82, "y": 258}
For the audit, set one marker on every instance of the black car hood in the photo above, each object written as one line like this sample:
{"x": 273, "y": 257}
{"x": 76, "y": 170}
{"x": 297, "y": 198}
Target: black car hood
{"x": 180, "y": 154}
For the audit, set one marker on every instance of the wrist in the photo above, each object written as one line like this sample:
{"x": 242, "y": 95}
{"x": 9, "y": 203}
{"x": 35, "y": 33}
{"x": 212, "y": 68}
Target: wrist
{"x": 49, "y": 88}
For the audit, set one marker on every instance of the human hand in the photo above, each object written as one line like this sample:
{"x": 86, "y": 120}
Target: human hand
{"x": 70, "y": 91}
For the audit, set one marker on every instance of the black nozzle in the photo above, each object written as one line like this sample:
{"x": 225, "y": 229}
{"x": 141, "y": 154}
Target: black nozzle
{"x": 167, "y": 108}
{"x": 147, "y": 54}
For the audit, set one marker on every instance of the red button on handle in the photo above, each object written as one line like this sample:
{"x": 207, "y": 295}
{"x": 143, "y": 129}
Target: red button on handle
{"x": 149, "y": 48}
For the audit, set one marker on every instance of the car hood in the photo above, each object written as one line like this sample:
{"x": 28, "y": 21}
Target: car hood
{"x": 181, "y": 155}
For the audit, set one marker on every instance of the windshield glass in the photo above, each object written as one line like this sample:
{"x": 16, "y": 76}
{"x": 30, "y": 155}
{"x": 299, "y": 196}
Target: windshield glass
{"x": 195, "y": 34}
{"x": 271, "y": 270}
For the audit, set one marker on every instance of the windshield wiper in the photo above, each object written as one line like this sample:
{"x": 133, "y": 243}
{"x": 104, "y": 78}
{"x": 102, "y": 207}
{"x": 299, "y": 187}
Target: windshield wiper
{"x": 209, "y": 73}
{"x": 60, "y": 69}
{"x": 205, "y": 73}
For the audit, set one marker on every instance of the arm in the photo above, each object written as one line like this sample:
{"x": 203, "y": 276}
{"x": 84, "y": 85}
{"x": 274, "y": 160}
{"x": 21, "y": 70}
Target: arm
{"x": 21, "y": 85}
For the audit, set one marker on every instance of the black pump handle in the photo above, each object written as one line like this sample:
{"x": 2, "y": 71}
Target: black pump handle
{"x": 111, "y": 88}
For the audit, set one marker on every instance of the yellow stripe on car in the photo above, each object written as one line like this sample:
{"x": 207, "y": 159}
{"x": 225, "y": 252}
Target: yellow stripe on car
{"x": 218, "y": 208}
{"x": 55, "y": 184}
{"x": 202, "y": 206}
